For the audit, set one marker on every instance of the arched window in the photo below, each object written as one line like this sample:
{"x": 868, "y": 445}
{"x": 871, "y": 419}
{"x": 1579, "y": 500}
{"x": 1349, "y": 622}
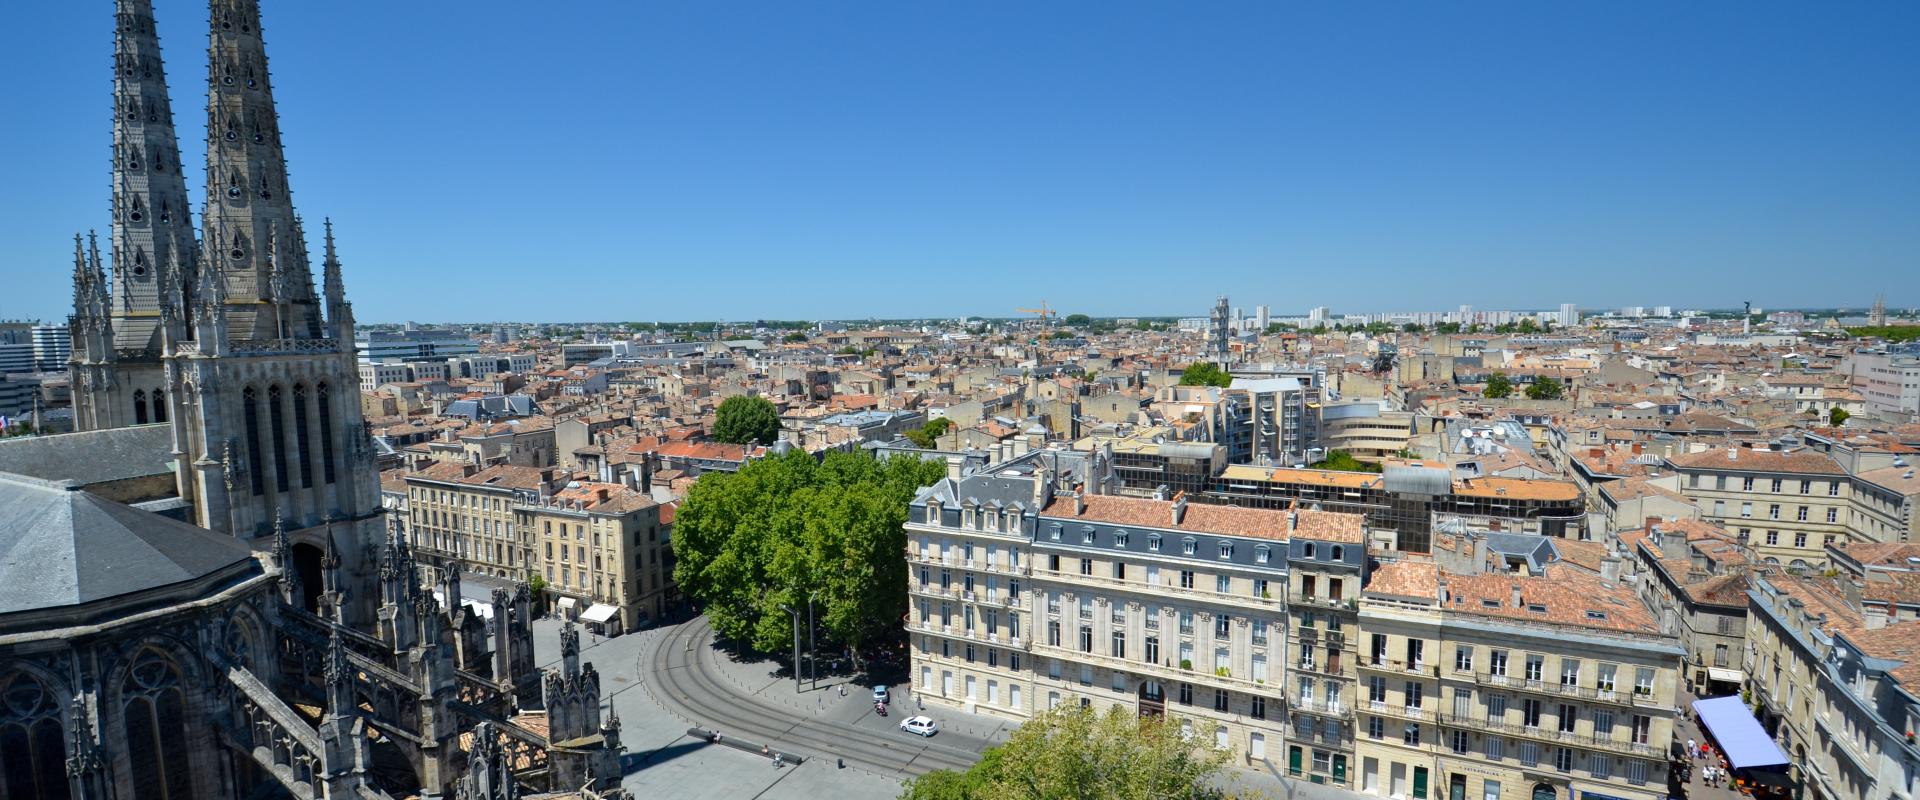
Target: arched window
{"x": 301, "y": 436}
{"x": 325, "y": 410}
{"x": 159, "y": 406}
{"x": 156, "y": 725}
{"x": 33, "y": 751}
{"x": 139, "y": 407}
{"x": 256, "y": 473}
{"x": 277, "y": 417}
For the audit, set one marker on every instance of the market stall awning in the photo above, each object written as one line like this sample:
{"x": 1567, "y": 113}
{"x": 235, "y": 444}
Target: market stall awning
{"x": 1726, "y": 675}
{"x": 598, "y": 612}
{"x": 566, "y": 602}
{"x": 1738, "y": 733}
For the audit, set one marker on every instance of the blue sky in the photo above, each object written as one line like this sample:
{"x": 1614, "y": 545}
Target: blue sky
{"x": 596, "y": 160}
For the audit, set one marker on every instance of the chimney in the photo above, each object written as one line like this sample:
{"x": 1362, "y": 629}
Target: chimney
{"x": 1161, "y": 493}
{"x": 1733, "y": 454}
{"x": 1610, "y": 569}
{"x": 1079, "y": 502}
{"x": 1636, "y": 448}
{"x": 1517, "y": 601}
{"x": 646, "y": 474}
{"x": 1444, "y": 595}
{"x": 1179, "y": 508}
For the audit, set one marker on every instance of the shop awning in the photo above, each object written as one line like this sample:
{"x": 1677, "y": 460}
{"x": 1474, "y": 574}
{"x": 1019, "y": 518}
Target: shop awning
{"x": 1726, "y": 675}
{"x": 1738, "y": 733}
{"x": 598, "y": 612}
{"x": 566, "y": 602}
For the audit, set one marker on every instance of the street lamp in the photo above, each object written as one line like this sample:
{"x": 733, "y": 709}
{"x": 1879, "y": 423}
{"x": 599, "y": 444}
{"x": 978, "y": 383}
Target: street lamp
{"x": 795, "y": 613}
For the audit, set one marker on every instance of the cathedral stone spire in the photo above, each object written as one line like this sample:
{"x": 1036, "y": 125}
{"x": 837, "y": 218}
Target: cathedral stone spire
{"x": 248, "y": 201}
{"x": 339, "y": 311}
{"x": 152, "y": 234}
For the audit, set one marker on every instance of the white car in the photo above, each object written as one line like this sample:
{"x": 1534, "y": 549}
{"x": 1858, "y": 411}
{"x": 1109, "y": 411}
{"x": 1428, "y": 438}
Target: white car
{"x": 922, "y": 725}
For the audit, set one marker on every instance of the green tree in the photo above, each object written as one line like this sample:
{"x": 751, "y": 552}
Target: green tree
{"x": 1278, "y": 327}
{"x": 1078, "y": 320}
{"x": 925, "y": 435}
{"x": 1412, "y": 327}
{"x": 1345, "y": 462}
{"x": 794, "y": 338}
{"x": 1075, "y": 753}
{"x": 745, "y": 418}
{"x": 786, "y": 529}
{"x": 1205, "y": 373}
{"x": 1498, "y": 386}
{"x": 1837, "y": 417}
{"x": 1447, "y": 327}
{"x": 1545, "y": 389}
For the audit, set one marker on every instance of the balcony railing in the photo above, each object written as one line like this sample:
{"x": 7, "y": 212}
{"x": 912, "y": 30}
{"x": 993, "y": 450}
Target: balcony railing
{"x": 1556, "y": 689}
{"x": 1393, "y": 665}
{"x": 1553, "y": 735}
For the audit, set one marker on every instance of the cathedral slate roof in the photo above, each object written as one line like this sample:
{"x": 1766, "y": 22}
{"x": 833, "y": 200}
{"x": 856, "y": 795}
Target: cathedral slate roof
{"x": 91, "y": 457}
{"x": 60, "y": 546}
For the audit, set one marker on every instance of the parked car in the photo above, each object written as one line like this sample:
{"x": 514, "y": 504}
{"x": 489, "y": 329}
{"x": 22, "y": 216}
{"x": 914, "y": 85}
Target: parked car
{"x": 880, "y": 695}
{"x": 921, "y": 725}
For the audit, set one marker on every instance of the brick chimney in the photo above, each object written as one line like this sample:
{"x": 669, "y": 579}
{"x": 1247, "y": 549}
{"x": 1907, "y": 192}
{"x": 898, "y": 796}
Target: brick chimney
{"x": 1179, "y": 508}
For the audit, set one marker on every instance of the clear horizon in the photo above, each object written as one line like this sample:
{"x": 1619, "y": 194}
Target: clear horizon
{"x": 863, "y": 159}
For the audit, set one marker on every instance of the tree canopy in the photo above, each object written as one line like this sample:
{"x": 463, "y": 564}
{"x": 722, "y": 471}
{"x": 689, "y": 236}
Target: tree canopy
{"x": 1837, "y": 417}
{"x": 794, "y": 337}
{"x": 1072, "y": 752}
{"x": 1498, "y": 386}
{"x": 786, "y": 528}
{"x": 1078, "y": 320}
{"x": 925, "y": 435}
{"x": 1544, "y": 389}
{"x": 1205, "y": 373}
{"x": 743, "y": 418}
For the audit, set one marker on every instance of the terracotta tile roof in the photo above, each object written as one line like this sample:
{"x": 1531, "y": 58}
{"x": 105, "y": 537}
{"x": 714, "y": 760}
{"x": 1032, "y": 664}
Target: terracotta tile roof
{"x": 1564, "y": 596}
{"x": 1886, "y": 554}
{"x": 1745, "y": 460}
{"x": 1210, "y": 518}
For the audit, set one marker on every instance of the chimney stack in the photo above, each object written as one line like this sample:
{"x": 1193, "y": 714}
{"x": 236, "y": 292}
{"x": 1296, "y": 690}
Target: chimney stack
{"x": 1079, "y": 502}
{"x": 1516, "y": 597}
{"x": 1179, "y": 508}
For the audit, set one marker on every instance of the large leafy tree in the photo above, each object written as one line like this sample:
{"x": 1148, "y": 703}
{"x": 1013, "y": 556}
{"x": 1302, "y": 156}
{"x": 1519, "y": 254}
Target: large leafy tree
{"x": 1205, "y": 373}
{"x": 743, "y": 418}
{"x": 1074, "y": 753}
{"x": 1545, "y": 389}
{"x": 1498, "y": 386}
{"x": 786, "y": 529}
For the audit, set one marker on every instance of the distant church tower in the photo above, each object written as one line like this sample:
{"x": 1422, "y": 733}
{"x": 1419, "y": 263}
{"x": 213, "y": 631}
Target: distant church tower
{"x": 225, "y": 338}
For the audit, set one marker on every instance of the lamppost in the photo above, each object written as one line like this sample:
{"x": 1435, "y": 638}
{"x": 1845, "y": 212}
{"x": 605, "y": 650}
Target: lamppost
{"x": 795, "y": 613}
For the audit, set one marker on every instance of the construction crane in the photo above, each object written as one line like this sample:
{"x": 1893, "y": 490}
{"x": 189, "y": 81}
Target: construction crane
{"x": 1046, "y": 314}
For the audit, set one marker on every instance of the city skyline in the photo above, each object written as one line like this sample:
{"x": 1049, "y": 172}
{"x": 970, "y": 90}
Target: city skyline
{"x": 1008, "y": 157}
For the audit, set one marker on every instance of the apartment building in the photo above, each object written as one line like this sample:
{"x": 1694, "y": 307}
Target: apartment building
{"x": 1365, "y": 431}
{"x": 1834, "y": 681}
{"x": 1510, "y": 685}
{"x": 1325, "y": 574}
{"x": 604, "y": 549}
{"x": 1888, "y": 381}
{"x": 1411, "y": 500}
{"x": 462, "y": 511}
{"x": 1025, "y": 595}
{"x": 1696, "y": 584}
{"x": 605, "y": 553}
{"x": 1789, "y": 506}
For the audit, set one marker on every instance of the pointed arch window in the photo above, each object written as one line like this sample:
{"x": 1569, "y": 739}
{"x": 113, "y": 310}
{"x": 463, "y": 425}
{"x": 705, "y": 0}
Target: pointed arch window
{"x": 156, "y": 730}
{"x": 277, "y": 416}
{"x": 139, "y": 407}
{"x": 33, "y": 751}
{"x": 159, "y": 405}
{"x": 324, "y": 409}
{"x": 250, "y": 405}
{"x": 301, "y": 435}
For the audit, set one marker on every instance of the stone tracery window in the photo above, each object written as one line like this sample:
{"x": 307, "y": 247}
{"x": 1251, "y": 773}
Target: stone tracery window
{"x": 33, "y": 752}
{"x": 156, "y": 729}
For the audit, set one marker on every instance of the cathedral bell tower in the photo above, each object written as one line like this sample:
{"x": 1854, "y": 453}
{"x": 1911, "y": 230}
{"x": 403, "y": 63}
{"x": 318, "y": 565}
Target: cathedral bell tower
{"x": 223, "y": 336}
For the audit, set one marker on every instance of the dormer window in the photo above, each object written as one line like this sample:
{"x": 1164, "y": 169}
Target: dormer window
{"x": 1339, "y": 553}
{"x": 1261, "y": 554}
{"x": 1189, "y": 546}
{"x": 1226, "y": 550}
{"x": 1153, "y": 543}
{"x": 933, "y": 513}
{"x": 1086, "y": 535}
{"x": 1054, "y": 532}
{"x": 992, "y": 520}
{"x": 1120, "y": 539}
{"x": 1309, "y": 550}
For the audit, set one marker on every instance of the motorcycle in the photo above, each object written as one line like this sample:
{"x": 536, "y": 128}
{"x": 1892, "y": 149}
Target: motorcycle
{"x": 880, "y": 709}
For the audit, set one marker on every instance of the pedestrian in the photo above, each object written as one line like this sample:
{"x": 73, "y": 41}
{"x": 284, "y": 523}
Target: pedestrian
{"x": 1691, "y": 747}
